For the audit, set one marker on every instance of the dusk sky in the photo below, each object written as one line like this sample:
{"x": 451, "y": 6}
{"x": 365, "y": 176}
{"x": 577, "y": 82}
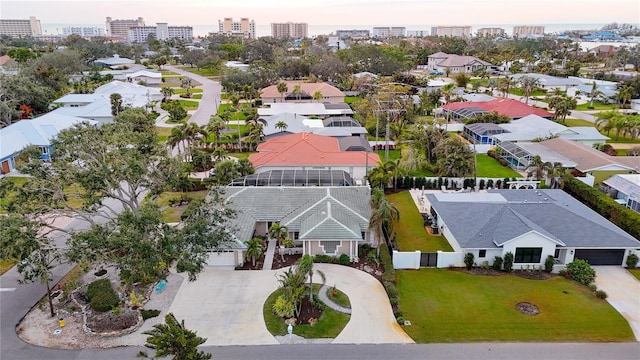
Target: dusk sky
{"x": 329, "y": 12}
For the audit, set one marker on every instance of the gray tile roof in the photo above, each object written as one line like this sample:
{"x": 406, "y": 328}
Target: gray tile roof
{"x": 488, "y": 223}
{"x": 316, "y": 212}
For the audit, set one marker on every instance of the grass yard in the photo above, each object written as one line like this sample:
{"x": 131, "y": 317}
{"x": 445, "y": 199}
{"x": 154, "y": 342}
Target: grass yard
{"x": 197, "y": 96}
{"x": 168, "y": 73}
{"x": 578, "y": 122}
{"x": 410, "y": 231}
{"x": 351, "y": 99}
{"x": 5, "y": 265}
{"x": 189, "y": 105}
{"x": 235, "y": 115}
{"x": 452, "y": 306}
{"x": 340, "y": 298}
{"x": 329, "y": 325}
{"x": 622, "y": 139}
{"x": 240, "y": 156}
{"x": 172, "y": 214}
{"x": 490, "y": 167}
{"x": 163, "y": 133}
{"x": 635, "y": 272}
{"x": 596, "y": 106}
{"x": 517, "y": 91}
{"x": 179, "y": 91}
{"x": 393, "y": 155}
{"x": 193, "y": 70}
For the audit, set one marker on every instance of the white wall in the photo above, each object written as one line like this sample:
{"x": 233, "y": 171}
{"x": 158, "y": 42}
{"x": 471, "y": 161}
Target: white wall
{"x": 229, "y": 258}
{"x": 446, "y": 259}
{"x": 530, "y": 240}
{"x": 587, "y": 179}
{"x": 406, "y": 260}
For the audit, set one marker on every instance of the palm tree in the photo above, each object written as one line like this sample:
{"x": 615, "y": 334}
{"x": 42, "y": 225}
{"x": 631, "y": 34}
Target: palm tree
{"x": 528, "y": 85}
{"x": 177, "y": 138}
{"x": 305, "y": 266}
{"x": 279, "y": 233}
{"x": 562, "y": 106}
{"x": 447, "y": 92}
{"x": 556, "y": 174}
{"x": 167, "y": 92}
{"x": 245, "y": 167}
{"x": 317, "y": 96}
{"x": 254, "y": 250}
{"x": 539, "y": 168}
{"x": 382, "y": 213}
{"x": 625, "y": 93}
{"x": 216, "y": 125}
{"x": 282, "y": 89}
{"x": 172, "y": 338}
{"x": 116, "y": 104}
{"x": 593, "y": 94}
{"x": 219, "y": 154}
{"x": 297, "y": 91}
{"x": 281, "y": 125}
{"x": 612, "y": 120}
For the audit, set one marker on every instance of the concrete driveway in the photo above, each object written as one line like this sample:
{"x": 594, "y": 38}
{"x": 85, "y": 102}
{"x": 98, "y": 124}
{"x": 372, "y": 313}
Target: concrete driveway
{"x": 624, "y": 293}
{"x": 225, "y": 306}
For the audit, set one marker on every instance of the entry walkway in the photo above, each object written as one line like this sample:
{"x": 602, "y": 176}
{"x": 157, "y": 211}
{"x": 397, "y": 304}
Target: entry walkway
{"x": 268, "y": 257}
{"x": 624, "y": 293}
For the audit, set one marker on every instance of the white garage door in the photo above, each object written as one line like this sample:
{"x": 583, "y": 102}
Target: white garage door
{"x": 221, "y": 259}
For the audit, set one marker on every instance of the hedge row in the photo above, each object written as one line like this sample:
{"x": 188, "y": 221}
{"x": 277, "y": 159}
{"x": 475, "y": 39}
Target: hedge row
{"x": 625, "y": 218}
{"x": 410, "y": 182}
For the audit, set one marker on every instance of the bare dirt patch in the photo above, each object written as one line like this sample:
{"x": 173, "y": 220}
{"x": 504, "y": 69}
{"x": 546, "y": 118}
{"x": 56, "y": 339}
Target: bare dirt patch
{"x": 527, "y": 308}
{"x": 534, "y": 274}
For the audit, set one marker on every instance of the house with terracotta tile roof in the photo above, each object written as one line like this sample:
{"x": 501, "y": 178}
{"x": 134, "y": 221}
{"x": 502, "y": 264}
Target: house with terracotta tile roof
{"x": 511, "y": 108}
{"x": 453, "y": 64}
{"x": 330, "y": 94}
{"x": 307, "y": 151}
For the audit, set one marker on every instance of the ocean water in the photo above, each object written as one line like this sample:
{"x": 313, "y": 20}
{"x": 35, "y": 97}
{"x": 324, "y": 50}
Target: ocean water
{"x": 314, "y": 30}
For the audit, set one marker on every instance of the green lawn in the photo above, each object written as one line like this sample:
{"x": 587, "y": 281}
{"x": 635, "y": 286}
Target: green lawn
{"x": 393, "y": 155}
{"x": 578, "y": 122}
{"x": 339, "y": 298}
{"x": 235, "y": 115}
{"x": 179, "y": 91}
{"x": 189, "y": 105}
{"x": 203, "y": 72}
{"x": 351, "y": 99}
{"x": 240, "y": 156}
{"x": 5, "y": 265}
{"x": 635, "y": 272}
{"x": 517, "y": 91}
{"x": 622, "y": 139}
{"x": 452, "y": 306}
{"x": 172, "y": 214}
{"x": 168, "y": 73}
{"x": 197, "y": 96}
{"x": 329, "y": 325}
{"x": 490, "y": 167}
{"x": 410, "y": 231}
{"x": 596, "y": 106}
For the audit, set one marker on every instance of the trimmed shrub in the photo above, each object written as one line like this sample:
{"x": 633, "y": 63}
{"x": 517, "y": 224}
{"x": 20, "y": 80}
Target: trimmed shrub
{"x": 632, "y": 261}
{"x": 400, "y": 320}
{"x": 324, "y": 259}
{"x": 548, "y": 264}
{"x": 344, "y": 259}
{"x": 497, "y": 263}
{"x": 97, "y": 287}
{"x": 468, "y": 260}
{"x": 507, "y": 264}
{"x": 601, "y": 294}
{"x": 104, "y": 301}
{"x": 391, "y": 289}
{"x": 148, "y": 314}
{"x": 593, "y": 287}
{"x": 580, "y": 271}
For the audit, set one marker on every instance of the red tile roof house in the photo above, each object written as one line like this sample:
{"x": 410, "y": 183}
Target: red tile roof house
{"x": 509, "y": 107}
{"x": 330, "y": 94}
{"x": 307, "y": 151}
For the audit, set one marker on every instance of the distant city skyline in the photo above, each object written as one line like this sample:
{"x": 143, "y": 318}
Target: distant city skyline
{"x": 327, "y": 12}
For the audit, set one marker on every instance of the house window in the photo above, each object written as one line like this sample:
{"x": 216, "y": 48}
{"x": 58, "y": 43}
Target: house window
{"x": 296, "y": 235}
{"x": 362, "y": 233}
{"x": 528, "y": 255}
{"x": 556, "y": 254}
{"x": 482, "y": 253}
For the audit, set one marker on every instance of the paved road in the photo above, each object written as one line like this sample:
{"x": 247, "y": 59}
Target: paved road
{"x": 211, "y": 91}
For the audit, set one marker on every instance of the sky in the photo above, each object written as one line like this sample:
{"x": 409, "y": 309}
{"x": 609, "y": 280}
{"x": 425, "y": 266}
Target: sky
{"x": 329, "y": 12}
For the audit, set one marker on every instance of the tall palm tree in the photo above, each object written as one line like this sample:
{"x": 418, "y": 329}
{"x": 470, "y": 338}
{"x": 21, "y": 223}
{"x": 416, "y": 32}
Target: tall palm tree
{"x": 317, "y": 96}
{"x": 538, "y": 168}
{"x": 297, "y": 91}
{"x": 305, "y": 266}
{"x": 177, "y": 139}
{"x": 593, "y": 94}
{"x": 528, "y": 85}
{"x": 382, "y": 213}
{"x": 612, "y": 120}
{"x": 282, "y": 89}
{"x": 215, "y": 126}
{"x": 167, "y": 92}
{"x": 447, "y": 92}
{"x": 219, "y": 154}
{"x": 625, "y": 93}
{"x": 281, "y": 125}
{"x": 556, "y": 175}
{"x": 279, "y": 233}
{"x": 245, "y": 167}
{"x": 254, "y": 250}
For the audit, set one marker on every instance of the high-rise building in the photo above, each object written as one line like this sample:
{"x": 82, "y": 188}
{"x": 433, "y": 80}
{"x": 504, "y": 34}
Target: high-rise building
{"x": 388, "y": 31}
{"x": 353, "y": 33}
{"x": 120, "y": 28}
{"x": 418, "y": 33}
{"x": 289, "y": 30}
{"x": 455, "y": 31}
{"x": 20, "y": 28}
{"x": 162, "y": 31}
{"x": 83, "y": 31}
{"x": 490, "y": 32}
{"x": 244, "y": 28}
{"x": 528, "y": 30}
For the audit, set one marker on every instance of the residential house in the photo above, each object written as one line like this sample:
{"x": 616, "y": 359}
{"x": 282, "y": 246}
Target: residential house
{"x": 603, "y": 51}
{"x": 331, "y": 220}
{"x": 335, "y": 126}
{"x": 511, "y": 108}
{"x": 530, "y": 224}
{"x": 39, "y": 132}
{"x": 452, "y": 64}
{"x": 306, "y": 151}
{"x": 625, "y": 189}
{"x": 114, "y": 62}
{"x": 548, "y": 82}
{"x": 146, "y": 77}
{"x": 330, "y": 94}
{"x": 306, "y": 109}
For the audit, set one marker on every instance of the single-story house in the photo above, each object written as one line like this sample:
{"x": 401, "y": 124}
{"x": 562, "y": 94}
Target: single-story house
{"x": 530, "y": 128}
{"x": 595, "y": 165}
{"x": 530, "y": 224}
{"x": 151, "y": 78}
{"x": 39, "y": 132}
{"x": 307, "y": 151}
{"x": 113, "y": 62}
{"x": 625, "y": 188}
{"x": 330, "y": 94}
{"x": 511, "y": 108}
{"x": 338, "y": 126}
{"x": 519, "y": 155}
{"x": 331, "y": 220}
{"x": 451, "y": 63}
{"x": 548, "y": 82}
{"x": 307, "y": 109}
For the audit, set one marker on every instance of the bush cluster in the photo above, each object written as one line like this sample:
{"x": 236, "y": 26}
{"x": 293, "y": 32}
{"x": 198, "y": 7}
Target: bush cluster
{"x": 632, "y": 261}
{"x": 497, "y": 263}
{"x": 148, "y": 314}
{"x": 507, "y": 263}
{"x": 580, "y": 271}
{"x": 101, "y": 296}
{"x": 548, "y": 264}
{"x": 468, "y": 260}
{"x": 411, "y": 182}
